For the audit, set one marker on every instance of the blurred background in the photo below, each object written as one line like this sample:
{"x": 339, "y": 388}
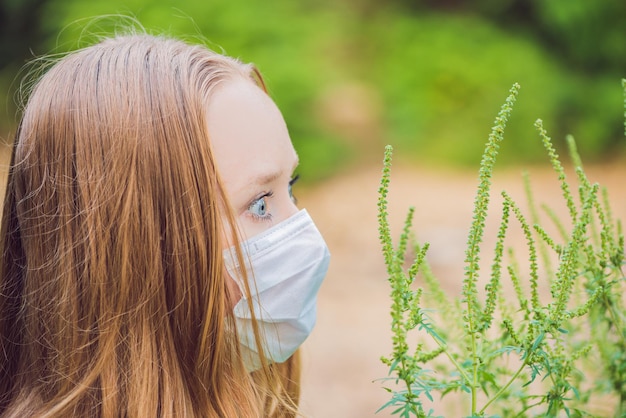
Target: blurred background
{"x": 350, "y": 76}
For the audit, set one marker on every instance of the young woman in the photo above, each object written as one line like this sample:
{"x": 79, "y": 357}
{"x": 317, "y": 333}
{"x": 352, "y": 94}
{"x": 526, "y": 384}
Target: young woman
{"x": 154, "y": 263}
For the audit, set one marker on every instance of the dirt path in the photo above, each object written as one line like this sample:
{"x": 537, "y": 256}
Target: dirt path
{"x": 341, "y": 357}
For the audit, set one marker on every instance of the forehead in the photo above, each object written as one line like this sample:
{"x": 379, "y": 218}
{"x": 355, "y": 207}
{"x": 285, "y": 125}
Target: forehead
{"x": 248, "y": 134}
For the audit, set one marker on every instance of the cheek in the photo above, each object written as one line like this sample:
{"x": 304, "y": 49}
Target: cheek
{"x": 234, "y": 293}
{"x": 250, "y": 227}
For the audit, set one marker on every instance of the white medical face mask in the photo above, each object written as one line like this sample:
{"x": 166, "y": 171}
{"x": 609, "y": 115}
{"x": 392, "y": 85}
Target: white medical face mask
{"x": 288, "y": 264}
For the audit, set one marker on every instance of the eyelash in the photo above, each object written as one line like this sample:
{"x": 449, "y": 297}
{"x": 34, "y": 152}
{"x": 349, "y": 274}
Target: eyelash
{"x": 263, "y": 197}
{"x": 293, "y": 181}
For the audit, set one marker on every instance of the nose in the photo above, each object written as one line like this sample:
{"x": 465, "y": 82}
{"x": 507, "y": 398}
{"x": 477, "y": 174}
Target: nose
{"x": 292, "y": 208}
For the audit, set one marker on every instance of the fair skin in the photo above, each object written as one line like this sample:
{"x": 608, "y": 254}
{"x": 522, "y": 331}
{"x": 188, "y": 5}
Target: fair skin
{"x": 254, "y": 156}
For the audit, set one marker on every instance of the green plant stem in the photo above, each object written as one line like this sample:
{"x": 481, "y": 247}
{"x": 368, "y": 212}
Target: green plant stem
{"x": 456, "y": 364}
{"x": 557, "y": 404}
{"x": 509, "y": 383}
{"x": 475, "y": 376}
{"x": 409, "y": 393}
{"x": 521, "y": 413}
{"x": 616, "y": 319}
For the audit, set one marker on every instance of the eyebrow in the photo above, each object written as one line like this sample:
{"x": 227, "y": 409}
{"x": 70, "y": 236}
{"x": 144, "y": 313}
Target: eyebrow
{"x": 270, "y": 177}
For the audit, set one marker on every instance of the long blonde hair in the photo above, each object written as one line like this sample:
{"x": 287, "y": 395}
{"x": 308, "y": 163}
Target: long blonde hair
{"x": 112, "y": 297}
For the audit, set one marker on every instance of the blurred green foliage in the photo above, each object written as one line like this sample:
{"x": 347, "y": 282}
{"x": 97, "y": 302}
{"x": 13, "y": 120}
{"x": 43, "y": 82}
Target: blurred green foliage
{"x": 353, "y": 75}
{"x": 443, "y": 75}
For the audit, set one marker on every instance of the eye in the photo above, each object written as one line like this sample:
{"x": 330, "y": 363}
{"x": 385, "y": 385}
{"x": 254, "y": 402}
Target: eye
{"x": 291, "y": 183}
{"x": 258, "y": 208}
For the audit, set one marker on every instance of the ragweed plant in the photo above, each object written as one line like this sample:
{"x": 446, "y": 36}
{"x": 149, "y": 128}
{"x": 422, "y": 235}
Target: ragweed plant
{"x": 544, "y": 353}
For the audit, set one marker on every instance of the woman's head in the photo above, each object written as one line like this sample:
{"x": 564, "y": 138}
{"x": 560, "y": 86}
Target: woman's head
{"x": 114, "y": 299}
